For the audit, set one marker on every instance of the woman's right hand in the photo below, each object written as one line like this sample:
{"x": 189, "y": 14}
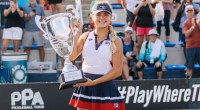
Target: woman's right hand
{"x": 141, "y": 4}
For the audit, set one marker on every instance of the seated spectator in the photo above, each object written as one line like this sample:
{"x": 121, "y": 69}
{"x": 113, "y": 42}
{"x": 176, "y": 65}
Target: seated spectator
{"x": 152, "y": 54}
{"x": 129, "y": 52}
{"x": 191, "y": 30}
{"x": 12, "y": 29}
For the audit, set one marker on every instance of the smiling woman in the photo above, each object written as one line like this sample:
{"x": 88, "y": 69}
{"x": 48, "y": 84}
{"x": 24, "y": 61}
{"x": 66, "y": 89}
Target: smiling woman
{"x": 102, "y": 63}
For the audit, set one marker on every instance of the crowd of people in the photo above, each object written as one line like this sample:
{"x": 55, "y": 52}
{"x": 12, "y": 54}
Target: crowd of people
{"x": 145, "y": 13}
{"x": 145, "y": 50}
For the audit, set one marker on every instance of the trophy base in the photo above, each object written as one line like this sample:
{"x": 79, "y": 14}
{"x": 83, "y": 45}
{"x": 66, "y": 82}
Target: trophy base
{"x": 67, "y": 85}
{"x": 67, "y": 82}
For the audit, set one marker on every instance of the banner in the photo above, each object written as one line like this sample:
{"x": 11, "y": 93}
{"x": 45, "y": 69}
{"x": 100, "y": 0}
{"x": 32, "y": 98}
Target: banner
{"x": 138, "y": 95}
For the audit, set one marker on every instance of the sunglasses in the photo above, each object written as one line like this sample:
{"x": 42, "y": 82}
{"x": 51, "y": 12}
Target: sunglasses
{"x": 190, "y": 10}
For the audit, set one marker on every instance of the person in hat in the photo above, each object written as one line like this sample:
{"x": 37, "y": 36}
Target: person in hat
{"x": 102, "y": 63}
{"x": 152, "y": 54}
{"x": 129, "y": 52}
{"x": 69, "y": 8}
{"x": 191, "y": 30}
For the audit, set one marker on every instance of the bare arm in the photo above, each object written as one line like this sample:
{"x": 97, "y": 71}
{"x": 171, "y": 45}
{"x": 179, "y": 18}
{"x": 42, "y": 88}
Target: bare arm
{"x": 136, "y": 10}
{"x": 187, "y": 31}
{"x": 152, "y": 10}
{"x": 123, "y": 4}
{"x": 20, "y": 12}
{"x": 135, "y": 49}
{"x": 7, "y": 11}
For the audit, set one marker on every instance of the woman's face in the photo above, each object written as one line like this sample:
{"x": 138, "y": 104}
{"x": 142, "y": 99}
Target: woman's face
{"x": 153, "y": 38}
{"x": 190, "y": 13}
{"x": 128, "y": 34}
{"x": 102, "y": 19}
{"x": 188, "y": 1}
{"x": 12, "y": 3}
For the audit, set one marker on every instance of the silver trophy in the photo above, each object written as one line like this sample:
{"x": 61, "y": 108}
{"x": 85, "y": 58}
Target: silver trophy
{"x": 59, "y": 30}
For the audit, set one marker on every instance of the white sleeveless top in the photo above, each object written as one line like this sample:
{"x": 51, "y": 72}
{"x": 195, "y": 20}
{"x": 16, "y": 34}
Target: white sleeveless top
{"x": 96, "y": 58}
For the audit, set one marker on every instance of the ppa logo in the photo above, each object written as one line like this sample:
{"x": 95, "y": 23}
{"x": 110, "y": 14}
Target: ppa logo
{"x": 26, "y": 99}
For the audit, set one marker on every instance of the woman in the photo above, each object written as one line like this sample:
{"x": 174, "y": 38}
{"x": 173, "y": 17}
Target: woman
{"x": 145, "y": 12}
{"x": 183, "y": 19}
{"x": 191, "y": 30}
{"x": 129, "y": 52}
{"x": 167, "y": 14}
{"x": 102, "y": 63}
{"x": 12, "y": 29}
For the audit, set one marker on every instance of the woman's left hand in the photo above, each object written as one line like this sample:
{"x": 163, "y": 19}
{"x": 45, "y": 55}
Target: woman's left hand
{"x": 89, "y": 82}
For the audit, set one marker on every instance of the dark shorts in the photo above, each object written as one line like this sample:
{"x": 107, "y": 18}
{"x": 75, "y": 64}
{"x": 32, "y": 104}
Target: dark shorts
{"x": 150, "y": 64}
{"x": 177, "y": 1}
{"x": 54, "y": 1}
{"x": 192, "y": 57}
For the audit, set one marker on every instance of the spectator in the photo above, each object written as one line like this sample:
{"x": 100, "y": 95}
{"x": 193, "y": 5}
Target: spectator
{"x": 152, "y": 54}
{"x": 129, "y": 52}
{"x": 191, "y": 30}
{"x": 129, "y": 6}
{"x": 102, "y": 63}
{"x": 12, "y": 29}
{"x": 145, "y": 13}
{"x": 56, "y": 6}
{"x": 32, "y": 32}
{"x": 167, "y": 14}
{"x": 178, "y": 4}
{"x": 184, "y": 17}
{"x": 159, "y": 13}
{"x": 69, "y": 8}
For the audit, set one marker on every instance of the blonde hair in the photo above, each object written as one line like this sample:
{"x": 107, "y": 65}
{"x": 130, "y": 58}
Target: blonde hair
{"x": 113, "y": 35}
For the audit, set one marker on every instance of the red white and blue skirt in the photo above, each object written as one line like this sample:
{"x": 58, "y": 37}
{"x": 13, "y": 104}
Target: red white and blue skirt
{"x": 104, "y": 96}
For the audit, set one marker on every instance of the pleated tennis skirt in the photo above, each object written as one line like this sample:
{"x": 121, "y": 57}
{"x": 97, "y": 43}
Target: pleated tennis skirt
{"x": 104, "y": 96}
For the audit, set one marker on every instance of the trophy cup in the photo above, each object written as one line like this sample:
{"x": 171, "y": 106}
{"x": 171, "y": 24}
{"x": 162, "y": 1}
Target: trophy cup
{"x": 59, "y": 30}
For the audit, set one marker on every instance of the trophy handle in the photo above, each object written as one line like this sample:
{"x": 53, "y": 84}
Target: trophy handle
{"x": 39, "y": 25}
